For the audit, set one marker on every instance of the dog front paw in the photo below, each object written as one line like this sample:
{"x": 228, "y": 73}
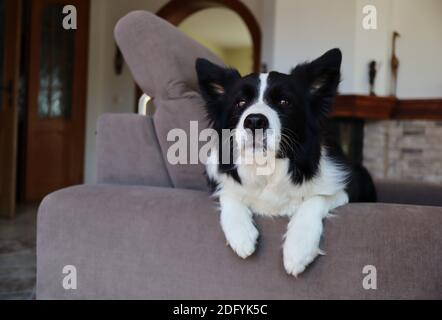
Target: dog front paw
{"x": 242, "y": 239}
{"x": 298, "y": 253}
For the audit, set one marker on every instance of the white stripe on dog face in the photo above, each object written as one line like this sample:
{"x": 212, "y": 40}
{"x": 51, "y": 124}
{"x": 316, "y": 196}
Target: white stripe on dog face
{"x": 262, "y": 86}
{"x": 260, "y": 107}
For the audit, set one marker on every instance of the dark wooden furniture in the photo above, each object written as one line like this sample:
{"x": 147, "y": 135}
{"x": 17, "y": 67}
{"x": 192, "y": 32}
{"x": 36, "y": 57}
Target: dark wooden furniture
{"x": 386, "y": 108}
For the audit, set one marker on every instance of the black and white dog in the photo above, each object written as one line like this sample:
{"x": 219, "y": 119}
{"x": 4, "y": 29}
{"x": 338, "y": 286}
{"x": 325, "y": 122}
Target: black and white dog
{"x": 310, "y": 175}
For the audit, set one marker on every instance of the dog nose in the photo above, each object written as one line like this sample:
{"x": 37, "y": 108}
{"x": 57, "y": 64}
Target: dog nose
{"x": 256, "y": 121}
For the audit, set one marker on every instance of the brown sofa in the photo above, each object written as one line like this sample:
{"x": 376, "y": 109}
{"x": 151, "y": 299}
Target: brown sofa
{"x": 148, "y": 230}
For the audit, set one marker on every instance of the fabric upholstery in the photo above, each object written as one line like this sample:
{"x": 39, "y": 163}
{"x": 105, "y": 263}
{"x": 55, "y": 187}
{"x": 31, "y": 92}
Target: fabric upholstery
{"x": 409, "y": 192}
{"x": 157, "y": 243}
{"x": 188, "y": 176}
{"x": 153, "y": 49}
{"x": 128, "y": 151}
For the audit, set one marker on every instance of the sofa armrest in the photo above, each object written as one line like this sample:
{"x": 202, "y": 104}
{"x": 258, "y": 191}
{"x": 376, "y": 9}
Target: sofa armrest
{"x": 403, "y": 192}
{"x": 128, "y": 151}
{"x": 137, "y": 242}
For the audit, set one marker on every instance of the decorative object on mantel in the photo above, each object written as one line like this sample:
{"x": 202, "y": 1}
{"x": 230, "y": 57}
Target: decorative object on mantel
{"x": 372, "y": 70}
{"x": 394, "y": 65}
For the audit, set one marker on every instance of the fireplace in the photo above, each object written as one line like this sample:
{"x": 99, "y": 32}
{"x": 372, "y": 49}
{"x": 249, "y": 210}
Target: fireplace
{"x": 349, "y": 134}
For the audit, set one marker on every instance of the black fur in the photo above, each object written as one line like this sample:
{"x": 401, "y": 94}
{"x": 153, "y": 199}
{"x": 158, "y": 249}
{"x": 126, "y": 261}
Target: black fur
{"x": 309, "y": 91}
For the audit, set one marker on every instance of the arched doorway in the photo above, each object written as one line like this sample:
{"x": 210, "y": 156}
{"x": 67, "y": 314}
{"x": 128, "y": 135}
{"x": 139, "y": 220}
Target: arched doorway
{"x": 176, "y": 11}
{"x": 224, "y": 33}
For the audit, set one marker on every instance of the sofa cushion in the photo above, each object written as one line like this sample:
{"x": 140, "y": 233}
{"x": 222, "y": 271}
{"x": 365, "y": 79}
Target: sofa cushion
{"x": 166, "y": 243}
{"x": 186, "y": 175}
{"x": 128, "y": 151}
{"x": 162, "y": 61}
{"x": 153, "y": 48}
{"x": 409, "y": 192}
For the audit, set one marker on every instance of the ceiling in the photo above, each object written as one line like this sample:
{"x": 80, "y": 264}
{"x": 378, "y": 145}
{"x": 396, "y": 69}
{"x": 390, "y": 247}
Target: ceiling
{"x": 219, "y": 26}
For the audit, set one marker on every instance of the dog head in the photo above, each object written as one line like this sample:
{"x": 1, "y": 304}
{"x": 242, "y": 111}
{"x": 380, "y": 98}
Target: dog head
{"x": 280, "y": 113}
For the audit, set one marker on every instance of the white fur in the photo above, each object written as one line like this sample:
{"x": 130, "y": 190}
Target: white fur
{"x": 304, "y": 231}
{"x": 237, "y": 224}
{"x": 274, "y": 132}
{"x": 276, "y": 195}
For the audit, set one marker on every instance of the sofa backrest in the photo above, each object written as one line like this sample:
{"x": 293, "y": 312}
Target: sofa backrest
{"x": 162, "y": 61}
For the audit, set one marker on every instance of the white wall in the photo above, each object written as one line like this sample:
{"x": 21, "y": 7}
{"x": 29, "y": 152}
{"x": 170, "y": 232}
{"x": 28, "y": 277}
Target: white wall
{"x": 268, "y": 32}
{"x": 95, "y": 84}
{"x": 304, "y": 29}
{"x": 372, "y": 45}
{"x": 419, "y": 48}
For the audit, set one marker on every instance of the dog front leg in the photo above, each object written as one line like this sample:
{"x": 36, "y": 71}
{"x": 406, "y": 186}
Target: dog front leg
{"x": 238, "y": 226}
{"x": 305, "y": 229}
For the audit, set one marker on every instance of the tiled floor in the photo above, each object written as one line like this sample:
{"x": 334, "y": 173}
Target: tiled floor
{"x": 17, "y": 254}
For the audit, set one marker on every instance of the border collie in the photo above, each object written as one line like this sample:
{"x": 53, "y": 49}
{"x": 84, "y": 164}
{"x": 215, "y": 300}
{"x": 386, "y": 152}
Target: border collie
{"x": 310, "y": 176}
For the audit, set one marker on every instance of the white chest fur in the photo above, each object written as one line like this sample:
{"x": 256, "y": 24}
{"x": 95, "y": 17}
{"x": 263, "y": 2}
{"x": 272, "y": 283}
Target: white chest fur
{"x": 275, "y": 194}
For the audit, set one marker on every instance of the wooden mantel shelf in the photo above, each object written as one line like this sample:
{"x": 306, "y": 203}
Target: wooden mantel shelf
{"x": 366, "y": 107}
{"x": 384, "y": 108}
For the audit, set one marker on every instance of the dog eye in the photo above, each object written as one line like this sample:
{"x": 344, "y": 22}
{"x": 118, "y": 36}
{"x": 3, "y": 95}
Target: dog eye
{"x": 241, "y": 103}
{"x": 283, "y": 102}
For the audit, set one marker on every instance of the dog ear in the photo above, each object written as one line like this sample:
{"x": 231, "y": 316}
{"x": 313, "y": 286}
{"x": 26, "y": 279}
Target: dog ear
{"x": 322, "y": 77}
{"x": 214, "y": 80}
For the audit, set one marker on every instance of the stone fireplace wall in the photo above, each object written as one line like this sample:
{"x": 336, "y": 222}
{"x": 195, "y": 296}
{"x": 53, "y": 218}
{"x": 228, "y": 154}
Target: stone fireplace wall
{"x": 405, "y": 150}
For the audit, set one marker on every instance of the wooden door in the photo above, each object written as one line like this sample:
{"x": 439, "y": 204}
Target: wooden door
{"x": 9, "y": 76}
{"x": 56, "y": 98}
